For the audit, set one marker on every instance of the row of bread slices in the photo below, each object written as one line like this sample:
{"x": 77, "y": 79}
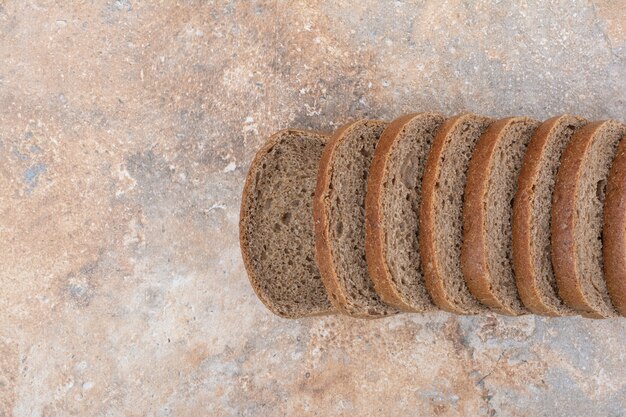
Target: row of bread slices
{"x": 466, "y": 214}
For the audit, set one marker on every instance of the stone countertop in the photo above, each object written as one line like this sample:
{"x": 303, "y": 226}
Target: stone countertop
{"x": 126, "y": 130}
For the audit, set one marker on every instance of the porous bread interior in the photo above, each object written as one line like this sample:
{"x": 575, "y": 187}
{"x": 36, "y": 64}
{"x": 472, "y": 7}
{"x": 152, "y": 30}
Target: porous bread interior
{"x": 448, "y": 201}
{"x": 400, "y": 208}
{"x": 346, "y": 198}
{"x": 589, "y": 214}
{"x": 505, "y": 167}
{"x": 280, "y": 227}
{"x": 541, "y": 206}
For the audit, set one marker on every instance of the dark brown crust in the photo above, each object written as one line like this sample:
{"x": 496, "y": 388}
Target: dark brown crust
{"x": 523, "y": 260}
{"x": 614, "y": 232}
{"x": 474, "y": 254}
{"x": 374, "y": 233}
{"x": 243, "y": 220}
{"x": 563, "y": 222}
{"x": 432, "y": 270}
{"x": 323, "y": 241}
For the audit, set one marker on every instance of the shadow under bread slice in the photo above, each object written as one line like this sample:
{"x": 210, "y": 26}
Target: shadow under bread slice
{"x": 441, "y": 212}
{"x": 531, "y": 216}
{"x": 392, "y": 211}
{"x": 276, "y": 230}
{"x": 486, "y": 256}
{"x": 339, "y": 211}
{"x": 577, "y": 218}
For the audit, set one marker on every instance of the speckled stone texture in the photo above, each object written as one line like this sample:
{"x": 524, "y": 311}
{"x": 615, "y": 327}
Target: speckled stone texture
{"x": 126, "y": 130}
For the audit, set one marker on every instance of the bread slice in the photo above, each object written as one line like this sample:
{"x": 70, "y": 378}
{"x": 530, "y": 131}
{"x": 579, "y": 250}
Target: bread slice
{"x": 614, "y": 234}
{"x": 577, "y": 217}
{"x": 531, "y": 216}
{"x": 486, "y": 256}
{"x": 441, "y": 212}
{"x": 339, "y": 211}
{"x": 392, "y": 211}
{"x": 276, "y": 231}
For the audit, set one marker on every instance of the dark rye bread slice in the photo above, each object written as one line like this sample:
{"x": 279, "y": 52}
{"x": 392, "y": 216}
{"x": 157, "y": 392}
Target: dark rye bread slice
{"x": 486, "y": 256}
{"x": 276, "y": 231}
{"x": 614, "y": 234}
{"x": 339, "y": 211}
{"x": 392, "y": 211}
{"x": 577, "y": 217}
{"x": 531, "y": 216}
{"x": 441, "y": 212}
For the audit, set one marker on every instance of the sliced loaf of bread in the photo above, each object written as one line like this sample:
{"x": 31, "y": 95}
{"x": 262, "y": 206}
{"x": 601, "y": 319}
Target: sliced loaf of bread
{"x": 392, "y": 211}
{"x": 531, "y": 216}
{"x": 577, "y": 218}
{"x": 339, "y": 211}
{"x": 276, "y": 230}
{"x": 486, "y": 256}
{"x": 614, "y": 234}
{"x": 441, "y": 212}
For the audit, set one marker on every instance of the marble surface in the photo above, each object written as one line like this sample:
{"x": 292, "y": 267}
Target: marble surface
{"x": 126, "y": 130}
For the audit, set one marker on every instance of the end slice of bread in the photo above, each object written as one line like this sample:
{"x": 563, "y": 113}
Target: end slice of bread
{"x": 531, "y": 216}
{"x": 614, "y": 234}
{"x": 392, "y": 211}
{"x": 577, "y": 218}
{"x": 276, "y": 230}
{"x": 339, "y": 211}
{"x": 441, "y": 212}
{"x": 486, "y": 256}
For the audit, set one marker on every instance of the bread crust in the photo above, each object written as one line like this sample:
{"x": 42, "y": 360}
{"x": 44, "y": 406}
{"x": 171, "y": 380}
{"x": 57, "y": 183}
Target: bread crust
{"x": 474, "y": 255}
{"x": 244, "y": 244}
{"x": 323, "y": 241}
{"x": 563, "y": 222}
{"x": 375, "y": 239}
{"x": 433, "y": 275}
{"x": 523, "y": 214}
{"x": 614, "y": 231}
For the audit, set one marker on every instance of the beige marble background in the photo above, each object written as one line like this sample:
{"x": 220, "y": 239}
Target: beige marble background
{"x": 126, "y": 129}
